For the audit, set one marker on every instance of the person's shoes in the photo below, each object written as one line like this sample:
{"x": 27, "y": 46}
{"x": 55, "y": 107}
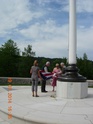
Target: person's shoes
{"x": 44, "y": 91}
{"x": 36, "y": 96}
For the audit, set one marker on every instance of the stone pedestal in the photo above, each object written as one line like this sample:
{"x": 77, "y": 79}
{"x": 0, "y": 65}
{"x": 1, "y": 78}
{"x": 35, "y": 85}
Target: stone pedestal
{"x": 72, "y": 90}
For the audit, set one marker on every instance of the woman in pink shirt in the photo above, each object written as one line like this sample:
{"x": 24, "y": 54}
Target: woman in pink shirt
{"x": 57, "y": 72}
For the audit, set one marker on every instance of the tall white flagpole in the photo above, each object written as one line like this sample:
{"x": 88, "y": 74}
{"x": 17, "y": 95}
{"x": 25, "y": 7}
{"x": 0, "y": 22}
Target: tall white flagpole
{"x": 72, "y": 32}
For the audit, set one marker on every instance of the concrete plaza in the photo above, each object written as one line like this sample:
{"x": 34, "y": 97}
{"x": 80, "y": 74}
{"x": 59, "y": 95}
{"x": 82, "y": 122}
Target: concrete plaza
{"x": 46, "y": 109}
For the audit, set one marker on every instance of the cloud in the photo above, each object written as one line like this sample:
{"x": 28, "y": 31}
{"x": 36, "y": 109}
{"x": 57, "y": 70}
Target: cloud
{"x": 82, "y": 6}
{"x": 85, "y": 37}
{"x": 51, "y": 48}
{"x": 44, "y": 25}
{"x": 14, "y": 13}
{"x": 85, "y": 42}
{"x": 43, "y": 31}
{"x": 47, "y": 38}
{"x": 85, "y": 5}
{"x": 50, "y": 40}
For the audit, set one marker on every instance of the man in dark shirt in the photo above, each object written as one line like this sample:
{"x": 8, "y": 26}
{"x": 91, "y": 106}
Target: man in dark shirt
{"x": 43, "y": 83}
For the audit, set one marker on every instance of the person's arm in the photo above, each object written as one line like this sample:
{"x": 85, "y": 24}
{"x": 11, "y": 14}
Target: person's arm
{"x": 31, "y": 70}
{"x": 45, "y": 69}
{"x": 39, "y": 75}
{"x": 54, "y": 70}
{"x": 60, "y": 71}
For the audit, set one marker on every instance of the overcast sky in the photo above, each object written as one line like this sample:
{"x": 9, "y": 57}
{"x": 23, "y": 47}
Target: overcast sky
{"x": 44, "y": 25}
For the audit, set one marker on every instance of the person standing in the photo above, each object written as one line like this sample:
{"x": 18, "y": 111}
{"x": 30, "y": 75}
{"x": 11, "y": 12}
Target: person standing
{"x": 56, "y": 73}
{"x": 63, "y": 67}
{"x": 35, "y": 74}
{"x": 43, "y": 82}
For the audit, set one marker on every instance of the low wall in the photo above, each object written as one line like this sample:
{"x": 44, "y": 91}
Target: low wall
{"x": 14, "y": 80}
{"x": 90, "y": 82}
{"x": 19, "y": 80}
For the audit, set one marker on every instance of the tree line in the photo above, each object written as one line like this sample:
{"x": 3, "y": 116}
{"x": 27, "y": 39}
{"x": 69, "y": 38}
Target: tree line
{"x": 13, "y": 63}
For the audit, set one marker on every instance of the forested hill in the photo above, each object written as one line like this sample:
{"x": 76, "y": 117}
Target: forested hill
{"x": 12, "y": 64}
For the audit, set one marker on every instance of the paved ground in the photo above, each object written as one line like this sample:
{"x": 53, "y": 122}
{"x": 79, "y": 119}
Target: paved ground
{"x": 46, "y": 109}
{"x": 4, "y": 89}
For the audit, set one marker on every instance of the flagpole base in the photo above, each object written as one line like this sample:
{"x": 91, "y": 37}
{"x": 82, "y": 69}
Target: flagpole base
{"x": 72, "y": 74}
{"x": 72, "y": 84}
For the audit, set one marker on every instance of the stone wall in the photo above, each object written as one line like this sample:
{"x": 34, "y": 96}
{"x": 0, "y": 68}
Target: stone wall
{"x": 14, "y": 80}
{"x": 90, "y": 82}
{"x": 17, "y": 80}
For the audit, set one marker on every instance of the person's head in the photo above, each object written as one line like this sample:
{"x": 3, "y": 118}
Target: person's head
{"x": 35, "y": 63}
{"x": 47, "y": 63}
{"x": 61, "y": 64}
{"x": 57, "y": 65}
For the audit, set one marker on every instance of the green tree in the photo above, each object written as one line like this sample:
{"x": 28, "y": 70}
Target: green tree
{"x": 85, "y": 56}
{"x": 10, "y": 48}
{"x": 24, "y": 66}
{"x": 28, "y": 51}
{"x": 85, "y": 67}
{"x": 9, "y": 54}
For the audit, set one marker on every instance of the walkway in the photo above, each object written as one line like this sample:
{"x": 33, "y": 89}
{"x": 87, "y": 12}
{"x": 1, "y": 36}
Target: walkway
{"x": 46, "y": 109}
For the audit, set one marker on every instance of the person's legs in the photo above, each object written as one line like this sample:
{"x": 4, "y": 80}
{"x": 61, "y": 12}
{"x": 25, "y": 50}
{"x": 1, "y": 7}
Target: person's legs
{"x": 33, "y": 83}
{"x": 43, "y": 85}
{"x": 36, "y": 87}
{"x": 53, "y": 88}
{"x": 54, "y": 82}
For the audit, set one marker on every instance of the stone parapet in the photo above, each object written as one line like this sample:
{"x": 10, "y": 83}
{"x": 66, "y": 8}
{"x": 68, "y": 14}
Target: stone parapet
{"x": 21, "y": 80}
{"x": 14, "y": 80}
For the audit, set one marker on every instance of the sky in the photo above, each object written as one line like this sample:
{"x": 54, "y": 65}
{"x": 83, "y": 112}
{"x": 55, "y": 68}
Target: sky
{"x": 44, "y": 24}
